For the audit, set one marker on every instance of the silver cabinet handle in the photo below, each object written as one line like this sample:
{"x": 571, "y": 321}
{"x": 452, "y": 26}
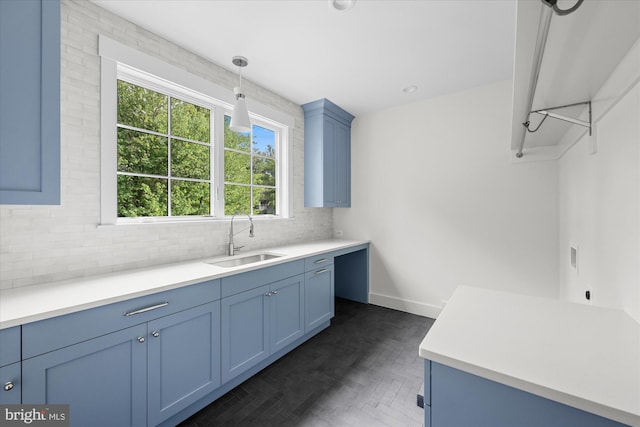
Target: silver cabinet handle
{"x": 320, "y": 261}
{"x": 268, "y": 294}
{"x": 155, "y": 334}
{"x": 274, "y": 292}
{"x": 324, "y": 270}
{"x": 8, "y": 386}
{"x": 140, "y": 340}
{"x": 144, "y": 310}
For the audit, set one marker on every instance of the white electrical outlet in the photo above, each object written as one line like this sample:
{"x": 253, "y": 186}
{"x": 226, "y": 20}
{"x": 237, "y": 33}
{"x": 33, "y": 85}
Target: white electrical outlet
{"x": 338, "y": 233}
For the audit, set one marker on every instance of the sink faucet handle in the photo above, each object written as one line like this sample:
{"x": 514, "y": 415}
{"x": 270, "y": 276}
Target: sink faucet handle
{"x": 237, "y": 248}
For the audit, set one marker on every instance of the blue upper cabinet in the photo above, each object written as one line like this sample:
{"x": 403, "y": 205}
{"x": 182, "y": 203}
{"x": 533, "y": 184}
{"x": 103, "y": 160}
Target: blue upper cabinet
{"x": 30, "y": 102}
{"x": 327, "y": 155}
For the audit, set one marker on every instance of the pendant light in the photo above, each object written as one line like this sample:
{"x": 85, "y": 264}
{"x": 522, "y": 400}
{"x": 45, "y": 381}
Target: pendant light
{"x": 240, "y": 117}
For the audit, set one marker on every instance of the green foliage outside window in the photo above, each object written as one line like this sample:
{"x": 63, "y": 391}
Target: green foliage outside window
{"x": 250, "y": 171}
{"x": 164, "y": 158}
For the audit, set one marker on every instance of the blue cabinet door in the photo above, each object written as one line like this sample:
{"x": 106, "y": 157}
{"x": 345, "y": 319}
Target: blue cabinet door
{"x": 184, "y": 359}
{"x": 30, "y": 102}
{"x": 286, "y": 311}
{"x": 337, "y": 163}
{"x": 245, "y": 331}
{"x": 342, "y": 141}
{"x": 103, "y": 380}
{"x": 10, "y": 384}
{"x": 319, "y": 297}
{"x": 329, "y": 155}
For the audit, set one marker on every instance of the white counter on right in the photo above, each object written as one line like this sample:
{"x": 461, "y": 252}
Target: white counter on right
{"x": 582, "y": 356}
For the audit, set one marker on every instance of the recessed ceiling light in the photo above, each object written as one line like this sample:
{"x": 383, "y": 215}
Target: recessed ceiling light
{"x": 410, "y": 89}
{"x": 341, "y": 5}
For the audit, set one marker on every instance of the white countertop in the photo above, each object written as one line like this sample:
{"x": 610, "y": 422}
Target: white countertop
{"x": 32, "y": 303}
{"x": 583, "y": 356}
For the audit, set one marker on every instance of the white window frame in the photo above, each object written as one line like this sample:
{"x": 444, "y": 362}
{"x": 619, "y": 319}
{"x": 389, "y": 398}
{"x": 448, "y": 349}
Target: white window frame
{"x": 122, "y": 62}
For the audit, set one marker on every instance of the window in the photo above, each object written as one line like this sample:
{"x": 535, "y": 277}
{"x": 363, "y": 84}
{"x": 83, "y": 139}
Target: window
{"x": 164, "y": 155}
{"x": 167, "y": 153}
{"x": 250, "y": 170}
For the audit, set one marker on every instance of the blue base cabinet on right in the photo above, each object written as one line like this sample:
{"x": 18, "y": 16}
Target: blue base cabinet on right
{"x": 456, "y": 398}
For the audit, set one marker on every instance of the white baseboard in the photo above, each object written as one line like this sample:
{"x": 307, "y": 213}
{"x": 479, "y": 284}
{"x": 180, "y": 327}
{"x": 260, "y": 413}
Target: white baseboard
{"x": 413, "y": 307}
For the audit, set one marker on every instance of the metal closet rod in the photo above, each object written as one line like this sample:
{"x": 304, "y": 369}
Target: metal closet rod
{"x": 541, "y": 42}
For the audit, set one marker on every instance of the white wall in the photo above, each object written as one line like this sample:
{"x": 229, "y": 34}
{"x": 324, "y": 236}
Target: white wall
{"x": 40, "y": 244}
{"x": 434, "y": 189}
{"x": 600, "y": 199}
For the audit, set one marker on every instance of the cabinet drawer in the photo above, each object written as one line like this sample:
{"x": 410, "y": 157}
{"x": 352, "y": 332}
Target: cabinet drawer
{"x": 9, "y": 345}
{"x": 242, "y": 282}
{"x": 318, "y": 261}
{"x": 51, "y": 334}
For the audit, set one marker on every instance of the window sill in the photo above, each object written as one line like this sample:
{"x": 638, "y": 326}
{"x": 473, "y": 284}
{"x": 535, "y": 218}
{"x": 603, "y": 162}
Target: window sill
{"x": 198, "y": 220}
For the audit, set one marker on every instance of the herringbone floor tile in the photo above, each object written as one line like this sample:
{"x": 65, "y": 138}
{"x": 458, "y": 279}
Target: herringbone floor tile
{"x": 363, "y": 371}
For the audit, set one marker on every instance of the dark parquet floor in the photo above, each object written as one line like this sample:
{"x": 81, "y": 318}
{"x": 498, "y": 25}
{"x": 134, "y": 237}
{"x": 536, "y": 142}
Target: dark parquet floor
{"x": 364, "y": 370}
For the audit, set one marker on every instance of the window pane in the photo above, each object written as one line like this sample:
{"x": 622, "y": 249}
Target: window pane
{"x": 189, "y": 121}
{"x": 139, "y": 196}
{"x": 264, "y": 141}
{"x": 264, "y": 171}
{"x": 237, "y": 167}
{"x": 189, "y": 198}
{"x": 142, "y": 108}
{"x": 264, "y": 201}
{"x": 140, "y": 152}
{"x": 235, "y": 140}
{"x": 236, "y": 199}
{"x": 189, "y": 160}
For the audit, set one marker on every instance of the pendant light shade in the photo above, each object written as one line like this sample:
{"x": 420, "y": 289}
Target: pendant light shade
{"x": 240, "y": 116}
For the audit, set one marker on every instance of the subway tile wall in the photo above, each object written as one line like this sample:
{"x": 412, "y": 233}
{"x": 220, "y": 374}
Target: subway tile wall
{"x": 44, "y": 244}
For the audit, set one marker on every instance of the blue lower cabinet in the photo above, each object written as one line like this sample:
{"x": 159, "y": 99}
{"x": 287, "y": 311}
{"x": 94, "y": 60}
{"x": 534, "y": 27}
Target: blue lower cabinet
{"x": 184, "y": 360}
{"x": 462, "y": 399}
{"x": 259, "y": 322}
{"x": 245, "y": 331}
{"x": 104, "y": 380}
{"x": 138, "y": 376}
{"x": 319, "y": 297}
{"x": 11, "y": 384}
{"x": 287, "y": 312}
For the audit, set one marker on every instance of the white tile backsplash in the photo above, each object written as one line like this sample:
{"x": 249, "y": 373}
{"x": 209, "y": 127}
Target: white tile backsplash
{"x": 40, "y": 244}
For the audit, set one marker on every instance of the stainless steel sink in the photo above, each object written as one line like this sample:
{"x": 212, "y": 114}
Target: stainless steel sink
{"x": 243, "y": 260}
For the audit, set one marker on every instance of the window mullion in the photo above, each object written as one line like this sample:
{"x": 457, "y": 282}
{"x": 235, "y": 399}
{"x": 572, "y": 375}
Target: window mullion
{"x": 251, "y": 172}
{"x": 169, "y": 173}
{"x": 218, "y": 190}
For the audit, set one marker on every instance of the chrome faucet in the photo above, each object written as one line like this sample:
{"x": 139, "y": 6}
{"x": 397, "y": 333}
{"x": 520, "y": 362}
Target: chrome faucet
{"x": 232, "y": 248}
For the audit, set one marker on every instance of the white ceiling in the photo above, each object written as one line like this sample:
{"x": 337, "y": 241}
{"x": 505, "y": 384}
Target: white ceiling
{"x": 360, "y": 59}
